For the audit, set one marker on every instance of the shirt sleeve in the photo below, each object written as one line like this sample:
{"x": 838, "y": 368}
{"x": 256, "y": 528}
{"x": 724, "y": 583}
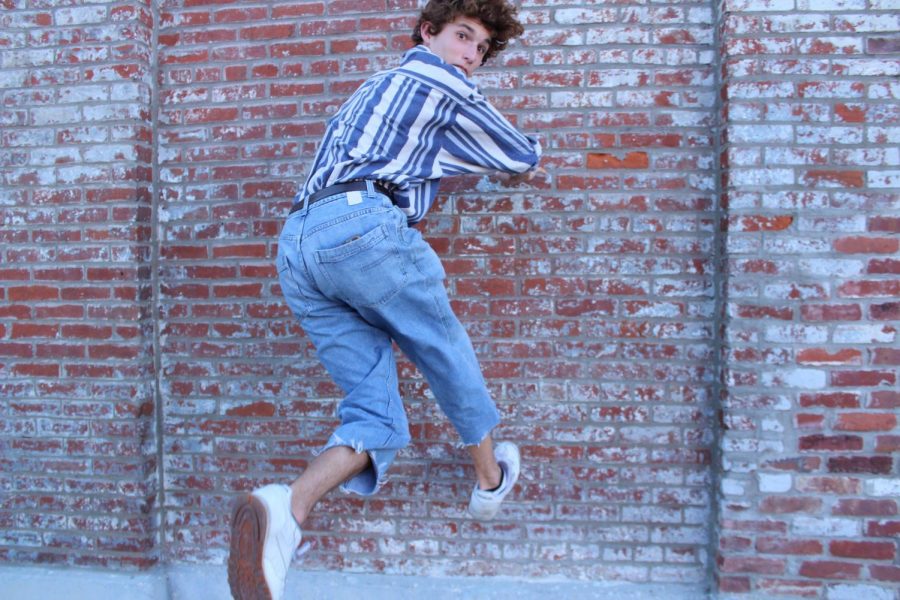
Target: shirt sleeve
{"x": 480, "y": 140}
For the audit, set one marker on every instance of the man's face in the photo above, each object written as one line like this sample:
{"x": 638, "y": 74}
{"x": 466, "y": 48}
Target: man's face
{"x": 462, "y": 43}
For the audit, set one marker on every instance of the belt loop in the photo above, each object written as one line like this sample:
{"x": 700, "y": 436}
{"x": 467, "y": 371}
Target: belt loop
{"x": 305, "y": 208}
{"x": 370, "y": 188}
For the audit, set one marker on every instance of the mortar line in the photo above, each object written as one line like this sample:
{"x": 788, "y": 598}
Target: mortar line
{"x": 154, "y": 278}
{"x": 720, "y": 282}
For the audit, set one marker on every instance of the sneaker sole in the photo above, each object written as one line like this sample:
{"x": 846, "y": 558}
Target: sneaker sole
{"x": 248, "y": 534}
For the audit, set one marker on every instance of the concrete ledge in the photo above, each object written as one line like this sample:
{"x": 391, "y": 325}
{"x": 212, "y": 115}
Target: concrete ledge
{"x": 193, "y": 582}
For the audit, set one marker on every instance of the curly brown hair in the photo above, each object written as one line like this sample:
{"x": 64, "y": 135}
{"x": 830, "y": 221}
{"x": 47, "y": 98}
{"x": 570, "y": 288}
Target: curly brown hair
{"x": 499, "y": 17}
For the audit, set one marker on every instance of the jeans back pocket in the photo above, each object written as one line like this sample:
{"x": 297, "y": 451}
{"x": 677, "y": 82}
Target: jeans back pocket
{"x": 367, "y": 269}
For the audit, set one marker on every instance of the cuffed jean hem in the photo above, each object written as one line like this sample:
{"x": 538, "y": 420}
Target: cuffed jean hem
{"x": 474, "y": 438}
{"x": 370, "y": 480}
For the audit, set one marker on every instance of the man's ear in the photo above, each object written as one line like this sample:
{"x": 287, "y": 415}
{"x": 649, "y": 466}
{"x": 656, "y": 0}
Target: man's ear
{"x": 427, "y": 30}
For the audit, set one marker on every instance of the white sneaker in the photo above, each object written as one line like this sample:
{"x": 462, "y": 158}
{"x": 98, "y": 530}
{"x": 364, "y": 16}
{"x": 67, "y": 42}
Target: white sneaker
{"x": 483, "y": 504}
{"x": 264, "y": 537}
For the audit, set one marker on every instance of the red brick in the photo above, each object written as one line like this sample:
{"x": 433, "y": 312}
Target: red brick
{"x": 790, "y": 587}
{"x": 850, "y": 179}
{"x": 631, "y": 160}
{"x": 789, "y": 504}
{"x": 862, "y": 507}
{"x": 863, "y": 378}
{"x": 830, "y": 400}
{"x": 888, "y": 224}
{"x": 817, "y": 356}
{"x": 867, "y": 245}
{"x": 35, "y": 370}
{"x": 866, "y": 422}
{"x": 734, "y": 543}
{"x": 831, "y": 443}
{"x": 886, "y": 356}
{"x": 850, "y": 114}
{"x": 887, "y": 311}
{"x": 887, "y": 443}
{"x": 884, "y": 399}
{"x": 771, "y": 545}
{"x": 860, "y": 464}
{"x": 865, "y": 550}
{"x": 32, "y": 293}
{"x": 268, "y": 32}
{"x": 34, "y": 330}
{"x": 883, "y": 266}
{"x": 882, "y": 528}
{"x": 827, "y": 569}
{"x": 831, "y": 312}
{"x": 885, "y": 573}
{"x": 754, "y": 525}
{"x": 752, "y": 564}
{"x": 734, "y": 584}
{"x": 869, "y": 289}
{"x": 760, "y": 223}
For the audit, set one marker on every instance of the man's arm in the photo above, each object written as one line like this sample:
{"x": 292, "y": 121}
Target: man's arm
{"x": 481, "y": 140}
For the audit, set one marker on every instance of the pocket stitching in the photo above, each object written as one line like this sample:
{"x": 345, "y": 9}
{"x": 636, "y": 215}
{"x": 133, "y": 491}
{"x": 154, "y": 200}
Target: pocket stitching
{"x": 365, "y": 242}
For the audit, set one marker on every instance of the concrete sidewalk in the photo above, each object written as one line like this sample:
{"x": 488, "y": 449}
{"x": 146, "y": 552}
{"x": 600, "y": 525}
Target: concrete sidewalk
{"x": 191, "y": 582}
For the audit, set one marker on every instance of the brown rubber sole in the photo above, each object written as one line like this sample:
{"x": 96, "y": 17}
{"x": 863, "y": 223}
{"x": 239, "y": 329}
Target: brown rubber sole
{"x": 248, "y": 532}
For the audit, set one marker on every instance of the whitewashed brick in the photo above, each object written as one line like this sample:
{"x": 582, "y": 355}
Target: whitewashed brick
{"x": 80, "y": 16}
{"x": 774, "y": 483}
{"x": 774, "y": 425}
{"x": 796, "y": 23}
{"x": 864, "y": 23}
{"x": 83, "y": 93}
{"x": 799, "y": 378}
{"x": 778, "y": 89}
{"x": 554, "y": 37}
{"x": 759, "y": 177}
{"x": 883, "y": 487}
{"x": 881, "y": 90}
{"x": 797, "y": 334}
{"x": 55, "y": 115}
{"x": 53, "y": 156}
{"x": 12, "y": 59}
{"x": 842, "y": 224}
{"x": 758, "y": 5}
{"x": 618, "y": 35}
{"x": 882, "y": 135}
{"x": 864, "y": 334}
{"x": 826, "y": 527}
{"x": 829, "y": 135}
{"x": 883, "y": 179}
{"x": 111, "y": 153}
{"x": 859, "y": 591}
{"x": 129, "y": 92}
{"x": 868, "y": 67}
{"x": 797, "y": 245}
{"x": 582, "y": 16}
{"x": 868, "y": 157}
{"x": 822, "y": 5}
{"x": 831, "y": 267}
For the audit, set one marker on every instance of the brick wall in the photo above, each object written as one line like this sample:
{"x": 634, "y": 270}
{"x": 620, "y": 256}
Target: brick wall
{"x": 810, "y": 439}
{"x": 610, "y": 301}
{"x": 77, "y": 444}
{"x": 587, "y": 294}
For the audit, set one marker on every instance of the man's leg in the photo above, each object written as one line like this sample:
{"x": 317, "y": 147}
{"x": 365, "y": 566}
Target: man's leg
{"x": 486, "y": 467}
{"x": 327, "y": 471}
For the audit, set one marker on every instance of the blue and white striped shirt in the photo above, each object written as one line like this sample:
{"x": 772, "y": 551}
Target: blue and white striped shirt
{"x": 409, "y": 126}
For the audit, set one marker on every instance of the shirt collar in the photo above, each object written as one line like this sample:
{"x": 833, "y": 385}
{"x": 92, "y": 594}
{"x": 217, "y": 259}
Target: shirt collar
{"x": 423, "y": 54}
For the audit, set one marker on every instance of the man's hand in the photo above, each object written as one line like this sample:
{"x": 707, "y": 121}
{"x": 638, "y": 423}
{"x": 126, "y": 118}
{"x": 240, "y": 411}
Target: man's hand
{"x": 517, "y": 178}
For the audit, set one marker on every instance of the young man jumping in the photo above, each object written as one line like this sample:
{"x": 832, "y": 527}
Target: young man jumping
{"x": 358, "y": 278}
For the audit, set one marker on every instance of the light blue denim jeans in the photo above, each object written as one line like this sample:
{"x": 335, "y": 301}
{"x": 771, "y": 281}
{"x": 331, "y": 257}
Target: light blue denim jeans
{"x": 358, "y": 277}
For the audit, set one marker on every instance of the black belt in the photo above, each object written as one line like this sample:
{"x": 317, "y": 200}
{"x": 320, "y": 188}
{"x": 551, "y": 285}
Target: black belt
{"x": 342, "y": 188}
